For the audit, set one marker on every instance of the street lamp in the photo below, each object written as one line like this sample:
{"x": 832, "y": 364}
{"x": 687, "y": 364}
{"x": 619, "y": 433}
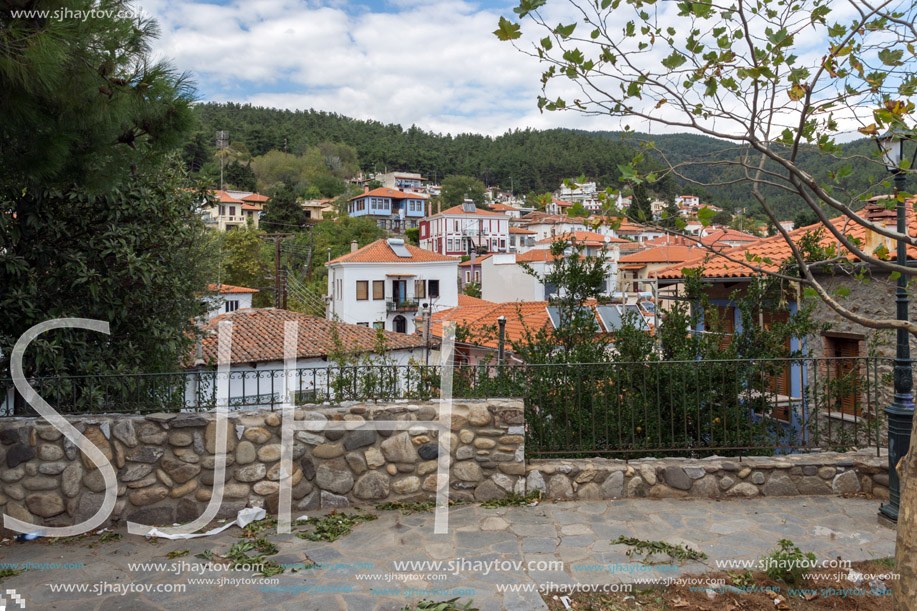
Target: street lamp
{"x": 901, "y": 411}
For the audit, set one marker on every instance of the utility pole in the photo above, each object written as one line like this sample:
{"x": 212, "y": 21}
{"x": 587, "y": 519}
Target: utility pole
{"x": 279, "y": 297}
{"x": 502, "y": 345}
{"x": 222, "y": 141}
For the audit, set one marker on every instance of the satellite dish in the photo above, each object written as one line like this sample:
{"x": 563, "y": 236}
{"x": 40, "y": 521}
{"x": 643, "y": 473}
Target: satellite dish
{"x": 607, "y": 239}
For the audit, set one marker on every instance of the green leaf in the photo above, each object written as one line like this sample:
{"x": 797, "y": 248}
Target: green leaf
{"x": 564, "y": 31}
{"x": 891, "y": 58}
{"x": 705, "y": 216}
{"x": 508, "y": 30}
{"x": 546, "y": 43}
{"x": 674, "y": 60}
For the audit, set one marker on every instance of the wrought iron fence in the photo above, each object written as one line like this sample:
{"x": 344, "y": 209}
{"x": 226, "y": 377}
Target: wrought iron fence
{"x": 661, "y": 408}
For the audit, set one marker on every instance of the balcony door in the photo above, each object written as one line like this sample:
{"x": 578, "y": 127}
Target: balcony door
{"x": 399, "y": 291}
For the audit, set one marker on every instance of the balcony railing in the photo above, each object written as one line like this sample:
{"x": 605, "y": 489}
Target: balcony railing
{"x": 407, "y": 305}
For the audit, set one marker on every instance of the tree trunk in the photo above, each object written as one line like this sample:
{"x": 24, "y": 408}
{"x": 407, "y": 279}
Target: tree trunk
{"x": 905, "y": 591}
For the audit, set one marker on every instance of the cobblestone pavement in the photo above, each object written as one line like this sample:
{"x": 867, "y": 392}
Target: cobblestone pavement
{"x": 356, "y": 571}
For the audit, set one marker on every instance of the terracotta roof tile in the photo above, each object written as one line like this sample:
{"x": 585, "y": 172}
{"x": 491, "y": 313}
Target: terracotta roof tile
{"x": 774, "y": 249}
{"x": 380, "y": 252}
{"x": 477, "y": 260}
{"x": 385, "y": 192}
{"x": 468, "y": 300}
{"x": 257, "y": 336}
{"x": 477, "y": 212}
{"x": 727, "y": 235}
{"x": 663, "y": 254}
{"x": 590, "y": 238}
{"x": 228, "y": 288}
{"x": 519, "y": 230}
{"x": 225, "y": 198}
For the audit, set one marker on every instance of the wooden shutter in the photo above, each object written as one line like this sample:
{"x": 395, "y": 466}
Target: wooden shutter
{"x": 378, "y": 289}
{"x": 420, "y": 289}
{"x": 362, "y": 290}
{"x": 727, "y": 319}
{"x": 848, "y": 396}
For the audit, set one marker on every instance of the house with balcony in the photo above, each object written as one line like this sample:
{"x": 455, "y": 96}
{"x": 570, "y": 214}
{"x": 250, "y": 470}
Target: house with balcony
{"x": 504, "y": 279}
{"x": 387, "y": 284}
{"x": 402, "y": 181}
{"x": 393, "y": 210}
{"x": 465, "y": 228}
{"x": 233, "y": 209}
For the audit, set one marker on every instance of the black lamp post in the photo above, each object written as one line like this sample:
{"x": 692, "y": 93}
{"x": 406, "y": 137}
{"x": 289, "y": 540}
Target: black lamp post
{"x": 901, "y": 411}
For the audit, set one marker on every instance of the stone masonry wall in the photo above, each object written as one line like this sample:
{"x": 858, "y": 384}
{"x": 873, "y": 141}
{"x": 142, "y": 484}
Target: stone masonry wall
{"x": 796, "y": 474}
{"x": 164, "y": 462}
{"x": 165, "y": 465}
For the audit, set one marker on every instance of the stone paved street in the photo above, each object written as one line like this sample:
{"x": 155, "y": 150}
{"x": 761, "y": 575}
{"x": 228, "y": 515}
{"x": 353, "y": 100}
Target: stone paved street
{"x": 575, "y": 533}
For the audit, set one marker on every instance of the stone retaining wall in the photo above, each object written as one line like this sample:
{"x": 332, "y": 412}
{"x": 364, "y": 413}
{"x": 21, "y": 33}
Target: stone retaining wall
{"x": 164, "y": 462}
{"x": 797, "y": 474}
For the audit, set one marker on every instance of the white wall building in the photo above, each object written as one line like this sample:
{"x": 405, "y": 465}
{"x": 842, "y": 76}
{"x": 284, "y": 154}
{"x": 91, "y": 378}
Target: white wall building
{"x": 256, "y": 366}
{"x": 385, "y": 285}
{"x": 503, "y": 279}
{"x": 226, "y": 298}
{"x": 458, "y": 230}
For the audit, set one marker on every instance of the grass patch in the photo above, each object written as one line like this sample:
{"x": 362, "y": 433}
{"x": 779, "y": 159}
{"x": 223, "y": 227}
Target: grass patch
{"x": 513, "y": 500}
{"x": 787, "y": 563}
{"x": 207, "y": 554}
{"x": 639, "y": 547}
{"x": 240, "y": 558}
{"x": 334, "y": 526}
{"x": 110, "y": 537}
{"x": 407, "y": 508}
{"x": 178, "y": 553}
{"x": 4, "y": 573}
{"x": 445, "y": 605}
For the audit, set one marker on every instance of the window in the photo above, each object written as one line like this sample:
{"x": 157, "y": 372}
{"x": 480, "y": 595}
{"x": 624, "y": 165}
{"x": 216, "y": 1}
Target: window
{"x": 842, "y": 376}
{"x": 222, "y": 210}
{"x": 381, "y": 223}
{"x": 477, "y": 276}
{"x": 362, "y": 290}
{"x": 400, "y": 324}
{"x": 340, "y": 291}
{"x": 433, "y": 288}
{"x": 232, "y": 211}
{"x": 232, "y": 306}
{"x": 456, "y": 225}
{"x": 378, "y": 290}
{"x": 450, "y": 245}
{"x": 467, "y": 276}
{"x": 379, "y": 325}
{"x": 502, "y": 244}
{"x": 362, "y": 324}
{"x": 420, "y": 289}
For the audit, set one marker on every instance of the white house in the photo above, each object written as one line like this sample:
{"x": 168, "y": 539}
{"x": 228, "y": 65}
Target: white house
{"x": 503, "y": 279}
{"x": 458, "y": 230}
{"x": 257, "y": 355}
{"x": 226, "y": 298}
{"x": 387, "y": 283}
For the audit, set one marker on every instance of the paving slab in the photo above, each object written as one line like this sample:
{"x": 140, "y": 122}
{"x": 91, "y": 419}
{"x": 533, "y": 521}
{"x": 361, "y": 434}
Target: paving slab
{"x": 499, "y": 557}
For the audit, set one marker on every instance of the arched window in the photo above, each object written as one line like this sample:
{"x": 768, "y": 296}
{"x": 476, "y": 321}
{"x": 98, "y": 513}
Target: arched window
{"x": 400, "y": 324}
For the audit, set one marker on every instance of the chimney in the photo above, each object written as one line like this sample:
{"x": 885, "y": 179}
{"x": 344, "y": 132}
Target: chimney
{"x": 354, "y": 246}
{"x": 365, "y": 188}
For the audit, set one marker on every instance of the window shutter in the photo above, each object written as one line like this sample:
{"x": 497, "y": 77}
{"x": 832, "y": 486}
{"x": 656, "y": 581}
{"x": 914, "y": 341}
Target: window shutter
{"x": 362, "y": 290}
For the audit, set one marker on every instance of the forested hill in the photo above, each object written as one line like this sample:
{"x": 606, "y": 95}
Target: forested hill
{"x": 525, "y": 160}
{"x": 680, "y": 148}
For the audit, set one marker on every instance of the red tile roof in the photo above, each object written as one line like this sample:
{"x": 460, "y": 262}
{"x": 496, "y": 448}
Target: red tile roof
{"x": 477, "y": 260}
{"x": 250, "y": 207}
{"x": 562, "y": 203}
{"x": 520, "y": 315}
{"x": 257, "y": 336}
{"x": 256, "y": 197}
{"x": 590, "y": 238}
{"x": 385, "y": 192}
{"x": 477, "y": 212}
{"x": 228, "y": 288}
{"x": 468, "y": 300}
{"x": 776, "y": 251}
{"x": 663, "y": 254}
{"x": 519, "y": 230}
{"x": 225, "y": 198}
{"x": 722, "y": 236}
{"x": 541, "y": 254}
{"x": 504, "y": 207}
{"x": 380, "y": 252}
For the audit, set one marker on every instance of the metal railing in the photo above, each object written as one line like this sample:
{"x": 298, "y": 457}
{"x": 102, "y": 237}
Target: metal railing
{"x": 405, "y": 305}
{"x": 661, "y": 408}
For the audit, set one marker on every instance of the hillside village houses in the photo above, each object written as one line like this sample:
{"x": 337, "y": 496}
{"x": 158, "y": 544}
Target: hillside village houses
{"x": 409, "y": 182}
{"x": 387, "y": 284}
{"x": 233, "y": 209}
{"x": 393, "y": 210}
{"x": 463, "y": 228}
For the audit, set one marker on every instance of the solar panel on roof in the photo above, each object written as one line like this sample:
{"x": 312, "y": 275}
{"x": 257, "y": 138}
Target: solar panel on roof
{"x": 631, "y": 310}
{"x": 610, "y": 316}
{"x": 398, "y": 248}
{"x": 469, "y": 208}
{"x": 558, "y": 318}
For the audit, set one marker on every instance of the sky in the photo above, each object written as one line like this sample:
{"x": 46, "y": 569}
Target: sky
{"x": 430, "y": 63}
